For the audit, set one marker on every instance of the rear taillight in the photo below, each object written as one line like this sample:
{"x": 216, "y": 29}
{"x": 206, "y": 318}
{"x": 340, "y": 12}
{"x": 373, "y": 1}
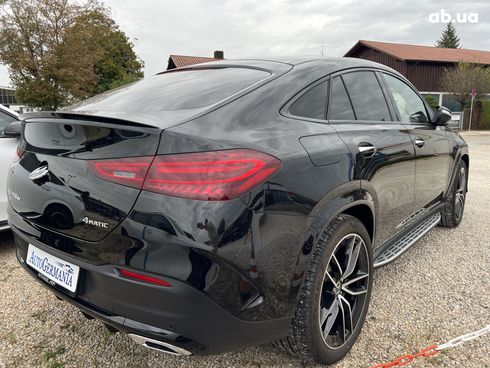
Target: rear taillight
{"x": 215, "y": 175}
{"x": 125, "y": 171}
{"x": 211, "y": 176}
{"x": 18, "y": 154}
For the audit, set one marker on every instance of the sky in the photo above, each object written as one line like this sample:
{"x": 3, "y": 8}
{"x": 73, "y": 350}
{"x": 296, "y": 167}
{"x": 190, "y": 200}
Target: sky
{"x": 254, "y": 28}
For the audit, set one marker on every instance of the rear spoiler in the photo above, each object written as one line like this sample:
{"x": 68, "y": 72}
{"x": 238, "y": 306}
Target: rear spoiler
{"x": 38, "y": 116}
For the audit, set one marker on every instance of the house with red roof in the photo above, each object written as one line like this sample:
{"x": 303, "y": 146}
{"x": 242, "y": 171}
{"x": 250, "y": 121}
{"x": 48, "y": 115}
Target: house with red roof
{"x": 181, "y": 61}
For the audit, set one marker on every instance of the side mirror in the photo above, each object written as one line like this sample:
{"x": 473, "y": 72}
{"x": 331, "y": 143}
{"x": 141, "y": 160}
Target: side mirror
{"x": 442, "y": 116}
{"x": 13, "y": 129}
{"x": 419, "y": 117}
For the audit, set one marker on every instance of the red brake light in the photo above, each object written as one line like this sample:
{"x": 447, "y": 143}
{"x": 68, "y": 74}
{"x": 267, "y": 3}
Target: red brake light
{"x": 18, "y": 154}
{"x": 127, "y": 171}
{"x": 144, "y": 278}
{"x": 209, "y": 176}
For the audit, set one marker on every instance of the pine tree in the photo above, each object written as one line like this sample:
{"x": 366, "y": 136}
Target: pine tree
{"x": 449, "y": 38}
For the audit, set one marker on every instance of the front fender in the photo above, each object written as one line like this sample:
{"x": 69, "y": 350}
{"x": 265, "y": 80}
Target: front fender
{"x": 459, "y": 149}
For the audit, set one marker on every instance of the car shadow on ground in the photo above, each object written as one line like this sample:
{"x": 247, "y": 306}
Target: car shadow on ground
{"x": 6, "y": 242}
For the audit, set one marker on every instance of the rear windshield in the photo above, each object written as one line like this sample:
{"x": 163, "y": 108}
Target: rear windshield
{"x": 179, "y": 90}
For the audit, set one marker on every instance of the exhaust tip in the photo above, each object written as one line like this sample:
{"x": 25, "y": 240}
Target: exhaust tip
{"x": 161, "y": 346}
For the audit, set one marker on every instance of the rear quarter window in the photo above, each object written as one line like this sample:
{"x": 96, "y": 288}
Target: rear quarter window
{"x": 312, "y": 104}
{"x": 177, "y": 90}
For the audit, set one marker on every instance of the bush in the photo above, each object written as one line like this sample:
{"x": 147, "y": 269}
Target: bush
{"x": 485, "y": 115}
{"x": 431, "y": 101}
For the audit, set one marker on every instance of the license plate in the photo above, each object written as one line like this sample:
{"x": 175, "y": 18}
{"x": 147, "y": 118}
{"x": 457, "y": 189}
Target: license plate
{"x": 52, "y": 268}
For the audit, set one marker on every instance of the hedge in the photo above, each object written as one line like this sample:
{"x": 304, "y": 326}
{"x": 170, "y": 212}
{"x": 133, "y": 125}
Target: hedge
{"x": 485, "y": 114}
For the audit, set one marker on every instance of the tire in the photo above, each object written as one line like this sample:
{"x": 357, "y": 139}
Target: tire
{"x": 453, "y": 211}
{"x": 319, "y": 296}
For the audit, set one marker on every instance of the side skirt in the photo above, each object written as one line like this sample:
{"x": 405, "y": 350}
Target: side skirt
{"x": 392, "y": 249}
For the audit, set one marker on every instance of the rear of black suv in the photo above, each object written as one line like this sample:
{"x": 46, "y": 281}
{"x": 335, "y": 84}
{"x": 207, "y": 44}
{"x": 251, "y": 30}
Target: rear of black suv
{"x": 156, "y": 245}
{"x": 234, "y": 203}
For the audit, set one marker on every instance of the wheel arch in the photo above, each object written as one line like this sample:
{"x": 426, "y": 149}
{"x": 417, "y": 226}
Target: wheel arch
{"x": 462, "y": 155}
{"x": 466, "y": 158}
{"x": 363, "y": 213}
{"x": 357, "y": 202}
{"x": 350, "y": 200}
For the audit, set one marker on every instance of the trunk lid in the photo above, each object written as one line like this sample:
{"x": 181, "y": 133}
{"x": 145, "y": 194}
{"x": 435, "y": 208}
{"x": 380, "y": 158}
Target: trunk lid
{"x": 52, "y": 185}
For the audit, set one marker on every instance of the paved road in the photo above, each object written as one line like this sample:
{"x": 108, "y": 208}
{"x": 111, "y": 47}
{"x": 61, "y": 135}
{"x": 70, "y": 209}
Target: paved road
{"x": 438, "y": 290}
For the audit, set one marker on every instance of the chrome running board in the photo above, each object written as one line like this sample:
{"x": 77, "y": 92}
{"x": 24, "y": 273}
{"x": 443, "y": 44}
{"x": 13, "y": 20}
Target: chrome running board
{"x": 161, "y": 346}
{"x": 398, "y": 247}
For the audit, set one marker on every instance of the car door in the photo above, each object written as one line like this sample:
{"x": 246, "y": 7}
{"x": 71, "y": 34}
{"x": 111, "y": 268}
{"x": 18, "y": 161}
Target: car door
{"x": 7, "y": 153}
{"x": 381, "y": 147}
{"x": 432, "y": 150}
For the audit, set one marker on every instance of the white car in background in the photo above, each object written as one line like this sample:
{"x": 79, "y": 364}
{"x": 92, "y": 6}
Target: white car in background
{"x": 8, "y": 145}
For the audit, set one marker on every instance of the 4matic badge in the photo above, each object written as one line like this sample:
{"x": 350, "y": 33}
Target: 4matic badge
{"x": 13, "y": 195}
{"x": 101, "y": 224}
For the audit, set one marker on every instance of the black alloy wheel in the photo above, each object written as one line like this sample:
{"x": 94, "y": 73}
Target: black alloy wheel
{"x": 452, "y": 215}
{"x": 344, "y": 290}
{"x": 334, "y": 297}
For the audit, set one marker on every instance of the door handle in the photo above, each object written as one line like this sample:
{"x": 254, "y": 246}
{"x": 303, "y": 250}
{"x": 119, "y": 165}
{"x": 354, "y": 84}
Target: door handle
{"x": 367, "y": 149}
{"x": 419, "y": 142}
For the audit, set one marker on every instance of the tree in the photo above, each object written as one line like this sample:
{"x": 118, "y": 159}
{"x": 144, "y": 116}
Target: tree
{"x": 449, "y": 38}
{"x": 460, "y": 80}
{"x": 59, "y": 52}
{"x": 431, "y": 101}
{"x": 116, "y": 63}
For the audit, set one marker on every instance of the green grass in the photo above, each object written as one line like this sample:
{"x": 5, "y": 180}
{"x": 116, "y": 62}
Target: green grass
{"x": 55, "y": 364}
{"x": 41, "y": 316}
{"x": 52, "y": 358}
{"x": 9, "y": 337}
{"x": 106, "y": 335}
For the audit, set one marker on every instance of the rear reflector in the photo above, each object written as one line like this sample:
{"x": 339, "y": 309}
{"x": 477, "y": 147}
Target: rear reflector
{"x": 210, "y": 176}
{"x": 143, "y": 278}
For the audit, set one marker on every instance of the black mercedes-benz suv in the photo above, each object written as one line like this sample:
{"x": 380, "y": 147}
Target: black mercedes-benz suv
{"x": 234, "y": 203}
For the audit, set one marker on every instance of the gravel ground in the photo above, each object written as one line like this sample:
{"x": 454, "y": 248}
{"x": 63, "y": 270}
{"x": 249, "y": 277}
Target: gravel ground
{"x": 438, "y": 290}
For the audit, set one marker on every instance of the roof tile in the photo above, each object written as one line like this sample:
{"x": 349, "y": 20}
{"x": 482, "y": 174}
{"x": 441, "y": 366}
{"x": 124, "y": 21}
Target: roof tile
{"x": 183, "y": 60}
{"x": 426, "y": 53}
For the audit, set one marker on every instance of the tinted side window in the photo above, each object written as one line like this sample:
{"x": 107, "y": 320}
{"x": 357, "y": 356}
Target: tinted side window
{"x": 311, "y": 104}
{"x": 340, "y": 106}
{"x": 366, "y": 96}
{"x": 409, "y": 104}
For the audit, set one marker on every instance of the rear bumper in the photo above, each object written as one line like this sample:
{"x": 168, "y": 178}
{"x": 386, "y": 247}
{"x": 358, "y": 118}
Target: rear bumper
{"x": 179, "y": 315}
